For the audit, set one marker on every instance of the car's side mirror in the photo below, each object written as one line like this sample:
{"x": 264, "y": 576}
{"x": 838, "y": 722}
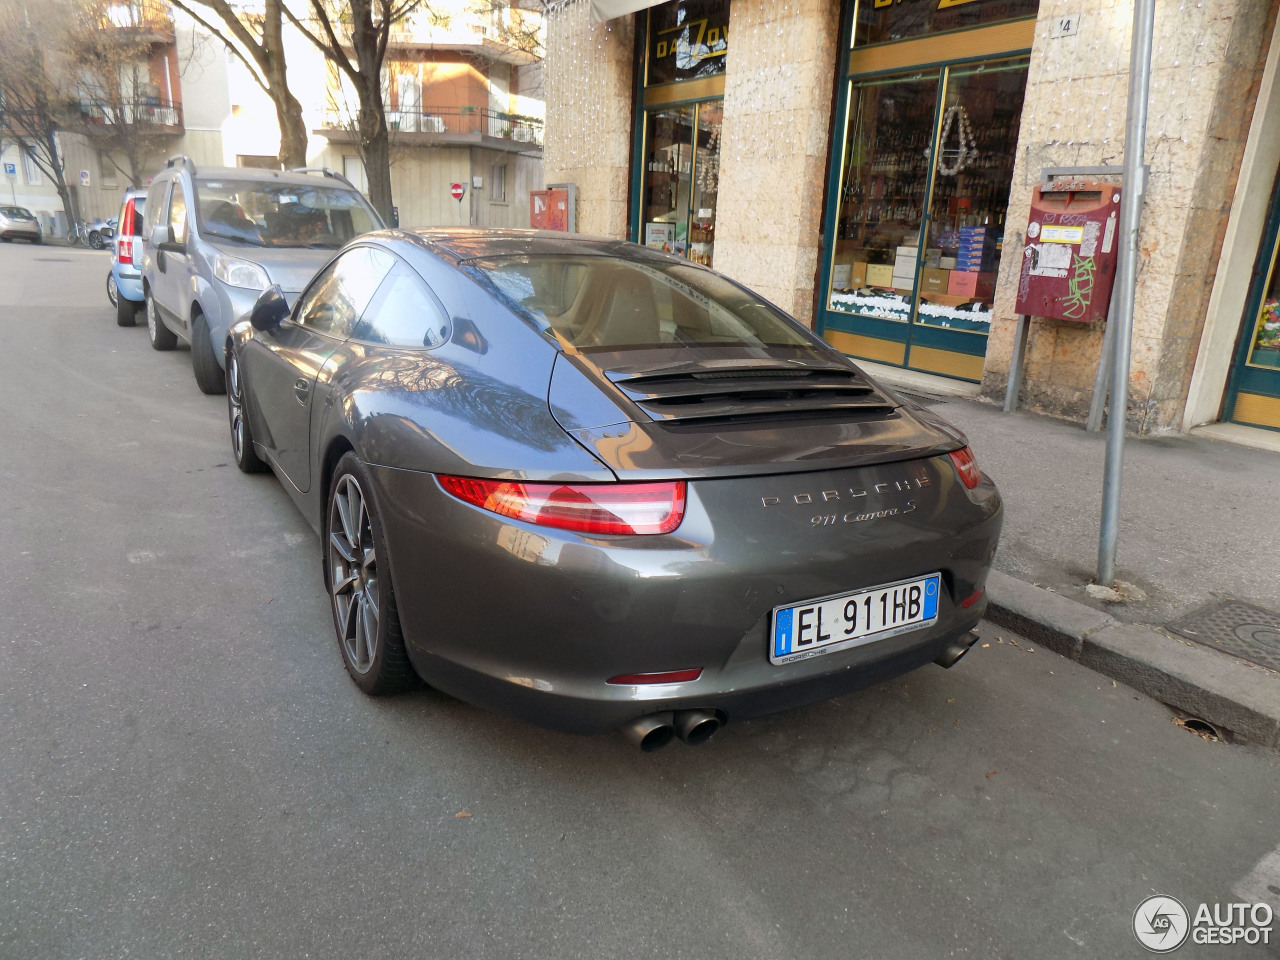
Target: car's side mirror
{"x": 162, "y": 239}
{"x": 269, "y": 310}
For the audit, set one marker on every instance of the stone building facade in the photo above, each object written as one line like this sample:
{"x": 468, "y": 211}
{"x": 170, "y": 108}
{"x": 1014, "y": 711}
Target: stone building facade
{"x": 800, "y": 79}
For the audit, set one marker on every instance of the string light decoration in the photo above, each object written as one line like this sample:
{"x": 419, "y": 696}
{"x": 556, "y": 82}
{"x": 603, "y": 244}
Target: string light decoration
{"x": 965, "y": 150}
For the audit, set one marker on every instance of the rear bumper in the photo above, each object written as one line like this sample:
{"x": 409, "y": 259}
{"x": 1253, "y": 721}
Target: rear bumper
{"x": 20, "y": 232}
{"x": 128, "y": 282}
{"x": 533, "y": 621}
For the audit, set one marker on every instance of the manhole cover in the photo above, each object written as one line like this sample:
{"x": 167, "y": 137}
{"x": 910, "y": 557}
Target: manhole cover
{"x": 1240, "y": 629}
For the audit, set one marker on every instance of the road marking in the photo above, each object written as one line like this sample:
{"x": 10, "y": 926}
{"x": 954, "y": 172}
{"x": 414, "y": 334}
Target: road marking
{"x": 141, "y": 556}
{"x": 1262, "y": 884}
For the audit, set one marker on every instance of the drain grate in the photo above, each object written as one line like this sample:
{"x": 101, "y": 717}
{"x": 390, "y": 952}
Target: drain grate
{"x": 921, "y": 398}
{"x": 1240, "y": 629}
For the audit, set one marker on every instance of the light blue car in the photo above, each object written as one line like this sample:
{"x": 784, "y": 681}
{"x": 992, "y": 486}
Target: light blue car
{"x": 124, "y": 281}
{"x": 218, "y": 236}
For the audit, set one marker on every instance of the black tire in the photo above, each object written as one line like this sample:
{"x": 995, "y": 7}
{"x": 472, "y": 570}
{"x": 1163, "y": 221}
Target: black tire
{"x": 95, "y": 240}
{"x": 204, "y": 362}
{"x": 161, "y": 337}
{"x": 126, "y": 312}
{"x": 6, "y": 239}
{"x": 38, "y": 240}
{"x": 358, "y": 578}
{"x": 242, "y": 448}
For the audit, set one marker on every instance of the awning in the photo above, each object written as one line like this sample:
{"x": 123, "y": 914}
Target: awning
{"x": 602, "y": 10}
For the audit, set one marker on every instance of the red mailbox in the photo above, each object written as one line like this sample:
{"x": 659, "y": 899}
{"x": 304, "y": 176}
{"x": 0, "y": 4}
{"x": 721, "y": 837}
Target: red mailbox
{"x": 1069, "y": 257}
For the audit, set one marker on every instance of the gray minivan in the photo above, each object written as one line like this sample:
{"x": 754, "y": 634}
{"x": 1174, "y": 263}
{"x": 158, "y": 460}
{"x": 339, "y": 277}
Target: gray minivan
{"x": 218, "y": 236}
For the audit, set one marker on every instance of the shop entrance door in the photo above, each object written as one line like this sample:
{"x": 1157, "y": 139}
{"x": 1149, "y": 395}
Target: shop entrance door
{"x": 924, "y": 186}
{"x": 1253, "y": 394}
{"x": 681, "y": 178}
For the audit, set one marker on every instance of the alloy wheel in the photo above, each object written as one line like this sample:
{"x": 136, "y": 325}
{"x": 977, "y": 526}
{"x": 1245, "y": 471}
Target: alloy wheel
{"x": 353, "y": 574}
{"x": 152, "y": 320}
{"x": 235, "y": 402}
{"x": 113, "y": 290}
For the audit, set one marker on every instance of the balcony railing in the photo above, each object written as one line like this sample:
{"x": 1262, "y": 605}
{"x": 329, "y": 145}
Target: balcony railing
{"x": 458, "y": 121}
{"x": 160, "y": 113}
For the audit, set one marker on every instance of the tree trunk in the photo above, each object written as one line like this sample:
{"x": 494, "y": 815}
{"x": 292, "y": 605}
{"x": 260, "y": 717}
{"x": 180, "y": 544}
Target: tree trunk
{"x": 293, "y": 129}
{"x": 375, "y": 145}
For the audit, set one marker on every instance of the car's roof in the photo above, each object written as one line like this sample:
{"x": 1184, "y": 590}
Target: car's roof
{"x": 261, "y": 175}
{"x": 478, "y": 243}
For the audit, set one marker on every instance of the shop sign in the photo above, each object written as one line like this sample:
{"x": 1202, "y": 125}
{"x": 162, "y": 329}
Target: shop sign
{"x": 687, "y": 40}
{"x": 885, "y": 20}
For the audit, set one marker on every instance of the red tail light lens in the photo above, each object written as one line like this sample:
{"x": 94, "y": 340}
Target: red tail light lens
{"x": 124, "y": 235}
{"x": 607, "y": 508}
{"x": 966, "y": 467}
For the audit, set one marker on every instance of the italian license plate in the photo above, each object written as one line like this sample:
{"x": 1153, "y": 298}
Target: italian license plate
{"x": 811, "y": 629}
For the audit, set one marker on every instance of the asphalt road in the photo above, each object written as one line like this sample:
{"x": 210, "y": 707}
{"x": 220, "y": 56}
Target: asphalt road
{"x": 186, "y": 771}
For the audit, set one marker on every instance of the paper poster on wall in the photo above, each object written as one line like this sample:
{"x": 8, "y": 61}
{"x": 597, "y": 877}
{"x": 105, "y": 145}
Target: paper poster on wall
{"x": 658, "y": 235}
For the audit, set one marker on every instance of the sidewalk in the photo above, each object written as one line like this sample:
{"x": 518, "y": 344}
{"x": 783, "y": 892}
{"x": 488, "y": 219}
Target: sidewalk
{"x": 1200, "y": 526}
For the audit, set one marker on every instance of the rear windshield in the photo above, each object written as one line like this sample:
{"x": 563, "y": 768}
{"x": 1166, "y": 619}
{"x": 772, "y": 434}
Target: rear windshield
{"x": 17, "y": 213}
{"x": 607, "y": 302}
{"x": 271, "y": 214}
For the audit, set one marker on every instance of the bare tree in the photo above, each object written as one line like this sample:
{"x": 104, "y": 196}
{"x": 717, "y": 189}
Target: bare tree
{"x": 105, "y": 50}
{"x": 35, "y": 102}
{"x": 258, "y": 41}
{"x": 353, "y": 35}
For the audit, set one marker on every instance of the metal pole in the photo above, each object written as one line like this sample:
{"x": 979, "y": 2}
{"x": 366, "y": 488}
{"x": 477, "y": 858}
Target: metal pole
{"x": 1103, "y": 378}
{"x": 1017, "y": 361}
{"x": 1135, "y": 138}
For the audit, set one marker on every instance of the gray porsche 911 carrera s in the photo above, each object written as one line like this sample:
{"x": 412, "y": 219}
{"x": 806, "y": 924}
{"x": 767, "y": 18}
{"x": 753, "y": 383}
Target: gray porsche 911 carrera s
{"x": 598, "y": 487}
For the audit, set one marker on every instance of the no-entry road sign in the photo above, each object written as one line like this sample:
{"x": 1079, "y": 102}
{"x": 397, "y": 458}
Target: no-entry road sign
{"x": 457, "y": 190}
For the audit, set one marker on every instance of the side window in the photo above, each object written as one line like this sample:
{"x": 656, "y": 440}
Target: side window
{"x": 156, "y": 197}
{"x": 342, "y": 291}
{"x": 403, "y": 314}
{"x": 178, "y": 213}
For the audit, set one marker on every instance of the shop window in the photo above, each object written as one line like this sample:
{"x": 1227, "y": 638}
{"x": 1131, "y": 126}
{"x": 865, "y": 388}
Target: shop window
{"x": 1264, "y": 351}
{"x": 928, "y": 163}
{"x": 682, "y": 179}
{"x": 688, "y": 40}
{"x": 883, "y": 21}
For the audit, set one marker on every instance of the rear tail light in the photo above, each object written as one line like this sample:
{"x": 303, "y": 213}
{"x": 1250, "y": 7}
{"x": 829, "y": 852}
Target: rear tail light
{"x": 124, "y": 236}
{"x": 607, "y": 508}
{"x": 966, "y": 467}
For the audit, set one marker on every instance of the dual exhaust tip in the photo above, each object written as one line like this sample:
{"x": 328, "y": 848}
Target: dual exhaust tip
{"x": 694, "y": 727}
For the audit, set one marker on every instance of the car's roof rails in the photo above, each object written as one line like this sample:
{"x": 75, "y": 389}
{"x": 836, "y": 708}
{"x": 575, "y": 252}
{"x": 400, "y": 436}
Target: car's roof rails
{"x": 182, "y": 160}
{"x": 327, "y": 172}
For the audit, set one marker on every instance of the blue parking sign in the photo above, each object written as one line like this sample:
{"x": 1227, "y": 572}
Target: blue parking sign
{"x": 11, "y": 169}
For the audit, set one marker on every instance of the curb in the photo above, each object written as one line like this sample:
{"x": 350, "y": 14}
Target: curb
{"x": 1227, "y": 692}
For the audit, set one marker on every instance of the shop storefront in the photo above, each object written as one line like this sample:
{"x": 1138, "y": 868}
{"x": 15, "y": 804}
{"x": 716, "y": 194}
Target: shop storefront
{"x": 929, "y": 118}
{"x": 1253, "y": 392}
{"x": 676, "y": 169}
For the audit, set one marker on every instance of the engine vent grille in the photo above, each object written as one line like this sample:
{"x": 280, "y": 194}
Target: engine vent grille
{"x": 754, "y": 393}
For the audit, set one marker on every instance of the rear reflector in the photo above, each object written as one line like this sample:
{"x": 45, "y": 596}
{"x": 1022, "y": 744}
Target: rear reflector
{"x": 607, "y": 508}
{"x": 638, "y": 679}
{"x": 966, "y": 467}
{"x": 973, "y": 599}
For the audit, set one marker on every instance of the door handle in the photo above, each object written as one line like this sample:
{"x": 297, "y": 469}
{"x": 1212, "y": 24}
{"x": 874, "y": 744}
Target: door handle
{"x": 301, "y": 390}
